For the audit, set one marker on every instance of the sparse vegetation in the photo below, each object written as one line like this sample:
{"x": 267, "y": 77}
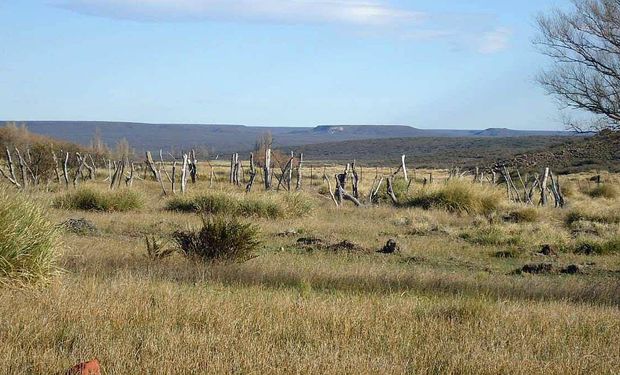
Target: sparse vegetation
{"x": 319, "y": 275}
{"x": 492, "y": 235}
{"x": 264, "y": 207}
{"x": 29, "y": 243}
{"x": 90, "y": 199}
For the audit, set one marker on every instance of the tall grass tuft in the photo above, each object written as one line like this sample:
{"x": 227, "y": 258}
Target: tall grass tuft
{"x": 604, "y": 191}
{"x": 219, "y": 239}
{"x": 458, "y": 196}
{"x": 28, "y": 241}
{"x": 87, "y": 199}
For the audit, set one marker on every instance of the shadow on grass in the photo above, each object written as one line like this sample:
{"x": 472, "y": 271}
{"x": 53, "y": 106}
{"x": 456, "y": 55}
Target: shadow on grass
{"x": 360, "y": 279}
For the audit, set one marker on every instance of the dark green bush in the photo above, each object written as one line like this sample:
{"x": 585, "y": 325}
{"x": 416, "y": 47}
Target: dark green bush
{"x": 87, "y": 199}
{"x": 219, "y": 239}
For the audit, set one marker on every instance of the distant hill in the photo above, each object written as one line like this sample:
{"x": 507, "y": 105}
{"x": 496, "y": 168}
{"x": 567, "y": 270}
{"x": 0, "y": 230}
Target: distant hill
{"x": 527, "y": 153}
{"x": 239, "y": 138}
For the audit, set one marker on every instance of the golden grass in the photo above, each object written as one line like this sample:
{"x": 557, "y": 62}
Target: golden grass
{"x": 443, "y": 305}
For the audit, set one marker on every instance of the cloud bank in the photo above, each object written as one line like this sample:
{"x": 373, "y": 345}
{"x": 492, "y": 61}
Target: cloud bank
{"x": 376, "y": 15}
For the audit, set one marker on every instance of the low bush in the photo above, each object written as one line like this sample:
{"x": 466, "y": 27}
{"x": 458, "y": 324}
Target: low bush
{"x": 28, "y": 241}
{"x": 219, "y": 239}
{"x": 458, "y": 196}
{"x": 87, "y": 199}
{"x": 604, "y": 191}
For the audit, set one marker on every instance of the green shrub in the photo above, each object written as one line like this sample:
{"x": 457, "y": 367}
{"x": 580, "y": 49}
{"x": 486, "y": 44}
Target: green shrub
{"x": 219, "y": 239}
{"x": 87, "y": 199}
{"x": 604, "y": 191}
{"x": 458, "y": 196}
{"x": 523, "y": 215}
{"x": 28, "y": 241}
{"x": 490, "y": 236}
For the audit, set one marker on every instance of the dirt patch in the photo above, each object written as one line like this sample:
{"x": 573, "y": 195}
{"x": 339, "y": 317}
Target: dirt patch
{"x": 548, "y": 250}
{"x": 80, "y": 226}
{"x": 536, "y": 269}
{"x": 572, "y": 269}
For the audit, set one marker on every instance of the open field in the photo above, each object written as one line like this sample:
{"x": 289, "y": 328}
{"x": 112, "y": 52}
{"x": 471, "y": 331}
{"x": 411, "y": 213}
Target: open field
{"x": 449, "y": 302}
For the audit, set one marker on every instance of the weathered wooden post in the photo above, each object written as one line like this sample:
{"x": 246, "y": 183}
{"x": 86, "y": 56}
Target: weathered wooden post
{"x": 22, "y": 168}
{"x": 151, "y": 165}
{"x": 184, "y": 174}
{"x": 231, "y": 174}
{"x": 173, "y": 179}
{"x": 405, "y": 168}
{"x": 299, "y": 171}
{"x": 253, "y": 172}
{"x": 193, "y": 167}
{"x": 267, "y": 168}
{"x": 543, "y": 187}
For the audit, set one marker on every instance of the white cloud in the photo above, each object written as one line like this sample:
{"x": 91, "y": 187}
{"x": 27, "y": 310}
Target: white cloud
{"x": 358, "y": 12}
{"x": 494, "y": 41}
{"x": 474, "y": 31}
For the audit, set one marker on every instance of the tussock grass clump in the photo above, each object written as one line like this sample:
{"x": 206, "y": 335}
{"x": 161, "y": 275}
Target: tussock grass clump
{"x": 610, "y": 215}
{"x": 460, "y": 197}
{"x": 219, "y": 239}
{"x": 604, "y": 191}
{"x": 87, "y": 199}
{"x": 492, "y": 235}
{"x": 523, "y": 215}
{"x": 28, "y": 241}
{"x": 265, "y": 207}
{"x": 592, "y": 246}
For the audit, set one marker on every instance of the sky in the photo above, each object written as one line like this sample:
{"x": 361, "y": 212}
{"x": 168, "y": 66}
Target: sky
{"x": 434, "y": 64}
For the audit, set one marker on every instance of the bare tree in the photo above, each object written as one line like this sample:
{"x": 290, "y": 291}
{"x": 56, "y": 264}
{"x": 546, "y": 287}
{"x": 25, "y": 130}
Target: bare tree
{"x": 584, "y": 45}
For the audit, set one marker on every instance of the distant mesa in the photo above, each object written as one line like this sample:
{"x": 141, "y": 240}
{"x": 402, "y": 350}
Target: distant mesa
{"x": 329, "y": 129}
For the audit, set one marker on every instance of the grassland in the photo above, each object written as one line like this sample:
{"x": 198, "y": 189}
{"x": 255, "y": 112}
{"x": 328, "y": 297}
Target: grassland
{"x": 449, "y": 302}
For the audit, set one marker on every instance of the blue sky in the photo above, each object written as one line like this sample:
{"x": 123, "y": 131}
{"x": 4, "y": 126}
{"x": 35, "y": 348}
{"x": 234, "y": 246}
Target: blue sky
{"x": 428, "y": 63}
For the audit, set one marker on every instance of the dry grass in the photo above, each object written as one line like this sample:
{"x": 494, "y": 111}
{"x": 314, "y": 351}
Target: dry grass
{"x": 445, "y": 304}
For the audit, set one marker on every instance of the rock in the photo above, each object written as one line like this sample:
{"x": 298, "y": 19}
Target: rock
{"x": 539, "y": 268}
{"x": 80, "y": 226}
{"x": 85, "y": 368}
{"x": 390, "y": 247}
{"x": 548, "y": 250}
{"x": 571, "y": 269}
